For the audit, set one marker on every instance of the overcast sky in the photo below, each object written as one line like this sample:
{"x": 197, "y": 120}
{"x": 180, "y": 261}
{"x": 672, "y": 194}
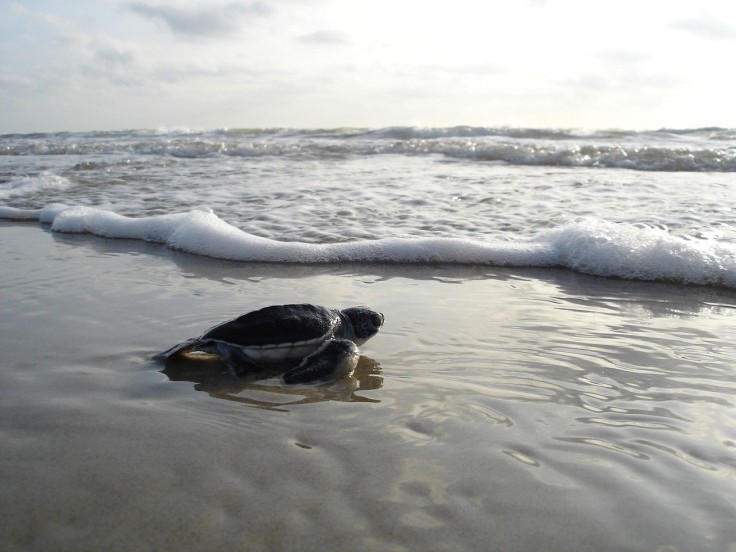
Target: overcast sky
{"x": 121, "y": 64}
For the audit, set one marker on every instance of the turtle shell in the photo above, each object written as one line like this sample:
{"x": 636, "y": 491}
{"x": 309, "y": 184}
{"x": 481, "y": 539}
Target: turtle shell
{"x": 278, "y": 332}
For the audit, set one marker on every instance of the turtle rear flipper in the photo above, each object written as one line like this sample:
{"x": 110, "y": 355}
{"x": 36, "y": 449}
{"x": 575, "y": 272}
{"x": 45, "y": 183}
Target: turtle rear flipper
{"x": 335, "y": 359}
{"x": 182, "y": 347}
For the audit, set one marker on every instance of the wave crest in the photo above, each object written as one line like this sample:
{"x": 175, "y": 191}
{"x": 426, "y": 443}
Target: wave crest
{"x": 709, "y": 149}
{"x": 594, "y": 247}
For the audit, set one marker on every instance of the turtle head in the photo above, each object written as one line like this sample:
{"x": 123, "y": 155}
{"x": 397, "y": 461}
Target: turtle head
{"x": 365, "y": 323}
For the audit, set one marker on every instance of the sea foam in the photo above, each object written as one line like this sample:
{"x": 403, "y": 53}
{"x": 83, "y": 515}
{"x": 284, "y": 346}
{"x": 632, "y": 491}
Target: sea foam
{"x": 589, "y": 246}
{"x": 31, "y": 185}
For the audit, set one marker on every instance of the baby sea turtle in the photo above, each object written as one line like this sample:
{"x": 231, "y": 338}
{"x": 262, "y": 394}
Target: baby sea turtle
{"x": 325, "y": 340}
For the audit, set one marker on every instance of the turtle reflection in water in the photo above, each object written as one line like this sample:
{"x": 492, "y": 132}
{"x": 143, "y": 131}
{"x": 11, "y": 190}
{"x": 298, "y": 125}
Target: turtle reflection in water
{"x": 263, "y": 390}
{"x": 325, "y": 341}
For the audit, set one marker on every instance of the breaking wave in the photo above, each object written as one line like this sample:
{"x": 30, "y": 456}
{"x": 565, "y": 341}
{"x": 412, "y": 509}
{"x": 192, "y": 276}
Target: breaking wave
{"x": 591, "y": 246}
{"x": 706, "y": 149}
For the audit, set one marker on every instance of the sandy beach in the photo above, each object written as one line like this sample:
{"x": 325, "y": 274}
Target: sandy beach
{"x": 540, "y": 206}
{"x": 497, "y": 410}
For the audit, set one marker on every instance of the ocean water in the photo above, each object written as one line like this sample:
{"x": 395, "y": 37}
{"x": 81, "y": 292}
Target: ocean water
{"x": 556, "y": 371}
{"x": 635, "y": 205}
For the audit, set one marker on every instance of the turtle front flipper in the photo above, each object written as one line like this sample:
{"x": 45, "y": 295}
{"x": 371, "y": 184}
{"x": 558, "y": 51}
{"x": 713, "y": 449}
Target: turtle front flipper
{"x": 238, "y": 362}
{"x": 335, "y": 359}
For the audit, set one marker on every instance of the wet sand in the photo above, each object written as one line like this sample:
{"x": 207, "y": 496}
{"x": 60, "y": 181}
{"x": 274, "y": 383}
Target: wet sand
{"x": 497, "y": 410}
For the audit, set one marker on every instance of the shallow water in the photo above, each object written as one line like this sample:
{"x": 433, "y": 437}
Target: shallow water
{"x": 497, "y": 409}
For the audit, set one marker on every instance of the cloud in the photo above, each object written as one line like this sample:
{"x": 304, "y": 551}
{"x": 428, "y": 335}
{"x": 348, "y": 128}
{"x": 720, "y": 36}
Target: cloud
{"x": 192, "y": 71}
{"x": 16, "y": 82}
{"x": 327, "y": 36}
{"x": 114, "y": 64}
{"x": 115, "y": 56}
{"x": 624, "y": 57}
{"x": 204, "y": 21}
{"x": 706, "y": 28}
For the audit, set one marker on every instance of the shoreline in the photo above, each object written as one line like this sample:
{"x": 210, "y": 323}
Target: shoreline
{"x": 594, "y": 248}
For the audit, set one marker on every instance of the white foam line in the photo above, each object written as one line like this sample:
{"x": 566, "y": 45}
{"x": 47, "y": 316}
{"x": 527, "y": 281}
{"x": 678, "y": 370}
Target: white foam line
{"x": 591, "y": 246}
{"x": 204, "y": 233}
